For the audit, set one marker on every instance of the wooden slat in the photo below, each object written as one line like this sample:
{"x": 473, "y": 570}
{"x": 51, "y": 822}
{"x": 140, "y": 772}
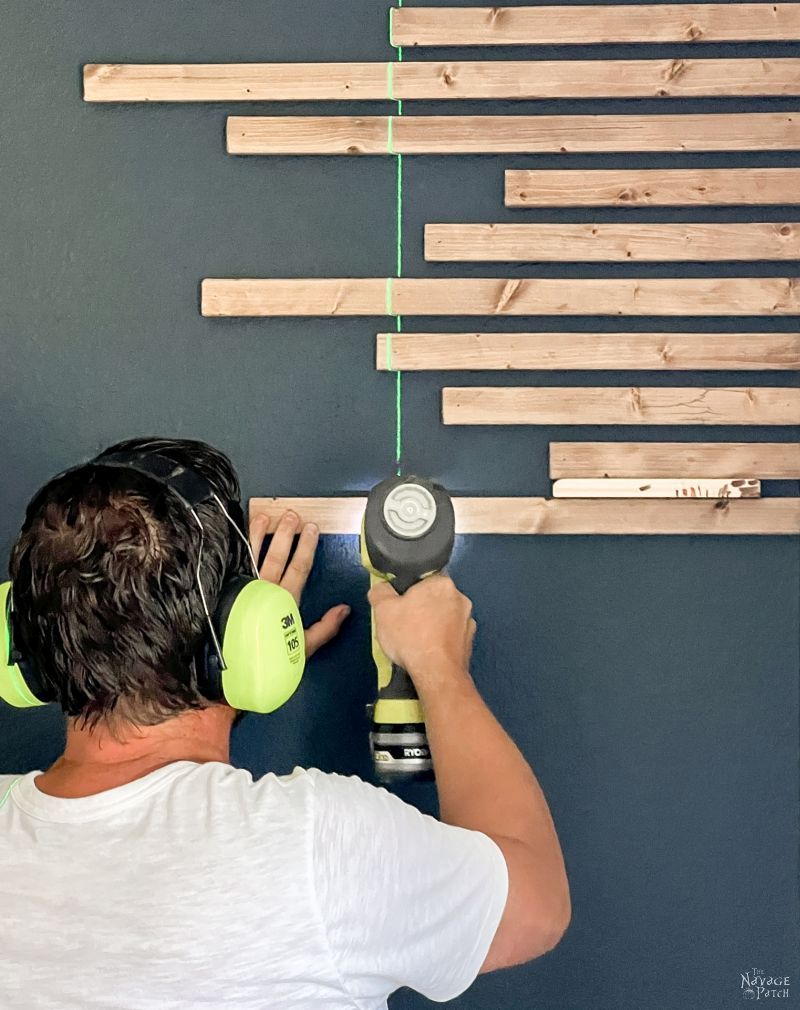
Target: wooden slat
{"x": 308, "y": 135}
{"x": 767, "y": 460}
{"x": 506, "y": 243}
{"x": 331, "y": 515}
{"x": 653, "y": 487}
{"x": 276, "y": 82}
{"x": 310, "y": 297}
{"x": 567, "y": 515}
{"x": 356, "y": 135}
{"x": 487, "y": 26}
{"x": 230, "y": 82}
{"x": 413, "y": 352}
{"x": 417, "y": 296}
{"x": 620, "y": 405}
{"x": 654, "y": 187}
{"x": 592, "y": 78}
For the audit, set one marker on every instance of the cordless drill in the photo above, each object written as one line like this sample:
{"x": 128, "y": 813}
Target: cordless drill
{"x": 407, "y": 535}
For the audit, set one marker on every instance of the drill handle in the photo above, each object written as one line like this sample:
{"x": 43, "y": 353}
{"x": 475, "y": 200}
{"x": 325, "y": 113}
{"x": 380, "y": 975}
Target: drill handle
{"x": 398, "y": 701}
{"x": 400, "y": 687}
{"x": 399, "y": 740}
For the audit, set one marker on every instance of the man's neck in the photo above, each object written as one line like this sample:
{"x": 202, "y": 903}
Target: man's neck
{"x": 105, "y": 756}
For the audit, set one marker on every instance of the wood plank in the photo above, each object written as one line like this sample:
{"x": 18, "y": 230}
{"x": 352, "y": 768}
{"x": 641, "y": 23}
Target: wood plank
{"x": 423, "y": 296}
{"x": 651, "y": 187}
{"x": 231, "y": 82}
{"x": 513, "y": 79}
{"x": 584, "y": 24}
{"x": 308, "y": 135}
{"x": 567, "y": 515}
{"x": 620, "y": 405}
{"x": 664, "y": 78}
{"x": 310, "y": 297}
{"x": 768, "y": 460}
{"x": 414, "y": 352}
{"x": 539, "y": 243}
{"x": 654, "y": 487}
{"x": 361, "y": 135}
{"x": 331, "y": 515}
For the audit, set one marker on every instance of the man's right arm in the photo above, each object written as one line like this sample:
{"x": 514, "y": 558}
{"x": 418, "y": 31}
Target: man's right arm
{"x": 484, "y": 782}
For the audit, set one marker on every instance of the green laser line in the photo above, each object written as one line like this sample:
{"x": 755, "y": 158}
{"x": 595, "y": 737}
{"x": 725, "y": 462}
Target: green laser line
{"x": 398, "y": 386}
{"x": 399, "y": 215}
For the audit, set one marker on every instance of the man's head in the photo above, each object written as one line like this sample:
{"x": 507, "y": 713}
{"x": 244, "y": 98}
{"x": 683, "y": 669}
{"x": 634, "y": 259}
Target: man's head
{"x": 105, "y": 584}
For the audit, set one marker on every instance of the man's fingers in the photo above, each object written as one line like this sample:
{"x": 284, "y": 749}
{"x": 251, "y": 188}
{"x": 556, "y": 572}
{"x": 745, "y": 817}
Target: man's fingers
{"x": 381, "y": 591}
{"x": 279, "y": 549}
{"x": 296, "y": 575}
{"x": 326, "y": 628}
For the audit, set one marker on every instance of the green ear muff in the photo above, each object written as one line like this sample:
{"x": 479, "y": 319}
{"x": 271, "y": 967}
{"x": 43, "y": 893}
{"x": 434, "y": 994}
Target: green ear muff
{"x": 13, "y": 688}
{"x": 263, "y": 646}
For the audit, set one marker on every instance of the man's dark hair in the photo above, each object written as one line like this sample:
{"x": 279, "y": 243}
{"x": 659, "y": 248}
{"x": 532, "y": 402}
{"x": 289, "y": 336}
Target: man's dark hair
{"x": 105, "y": 584}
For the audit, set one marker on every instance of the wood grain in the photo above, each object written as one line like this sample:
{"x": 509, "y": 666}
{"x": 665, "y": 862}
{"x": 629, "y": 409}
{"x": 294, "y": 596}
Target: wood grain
{"x": 767, "y": 460}
{"x": 514, "y": 79}
{"x": 413, "y": 352}
{"x": 308, "y": 135}
{"x": 654, "y": 487}
{"x": 231, "y": 82}
{"x": 654, "y": 187}
{"x": 539, "y": 243}
{"x": 620, "y": 405}
{"x": 560, "y": 516}
{"x": 308, "y": 297}
{"x": 584, "y": 24}
{"x": 664, "y": 78}
{"x": 362, "y": 135}
{"x": 417, "y": 296}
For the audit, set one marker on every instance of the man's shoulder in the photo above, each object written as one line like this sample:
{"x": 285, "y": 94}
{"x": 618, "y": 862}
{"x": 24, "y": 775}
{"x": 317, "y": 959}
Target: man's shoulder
{"x": 333, "y": 786}
{"x": 299, "y": 779}
{"x": 305, "y": 805}
{"x": 302, "y": 786}
{"x": 218, "y": 778}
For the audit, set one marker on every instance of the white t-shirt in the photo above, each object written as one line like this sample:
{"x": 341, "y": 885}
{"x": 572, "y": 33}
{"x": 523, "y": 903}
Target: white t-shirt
{"x": 196, "y": 887}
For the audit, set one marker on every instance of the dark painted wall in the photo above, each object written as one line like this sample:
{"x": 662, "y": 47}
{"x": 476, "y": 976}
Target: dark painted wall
{"x": 651, "y": 681}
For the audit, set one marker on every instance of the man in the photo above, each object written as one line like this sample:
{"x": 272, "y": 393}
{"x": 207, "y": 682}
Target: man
{"x": 143, "y": 871}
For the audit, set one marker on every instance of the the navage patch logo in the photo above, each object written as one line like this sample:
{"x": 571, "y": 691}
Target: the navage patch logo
{"x": 758, "y": 984}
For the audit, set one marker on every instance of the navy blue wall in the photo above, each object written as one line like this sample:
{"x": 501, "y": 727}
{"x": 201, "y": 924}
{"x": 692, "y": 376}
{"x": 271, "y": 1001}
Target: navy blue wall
{"x": 653, "y": 682}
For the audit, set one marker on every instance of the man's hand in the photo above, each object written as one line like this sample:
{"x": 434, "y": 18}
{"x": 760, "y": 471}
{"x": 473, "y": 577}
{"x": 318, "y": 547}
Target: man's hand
{"x": 292, "y": 575}
{"x": 428, "y": 631}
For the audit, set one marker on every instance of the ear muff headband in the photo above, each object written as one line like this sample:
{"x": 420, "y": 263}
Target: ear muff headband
{"x": 190, "y": 487}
